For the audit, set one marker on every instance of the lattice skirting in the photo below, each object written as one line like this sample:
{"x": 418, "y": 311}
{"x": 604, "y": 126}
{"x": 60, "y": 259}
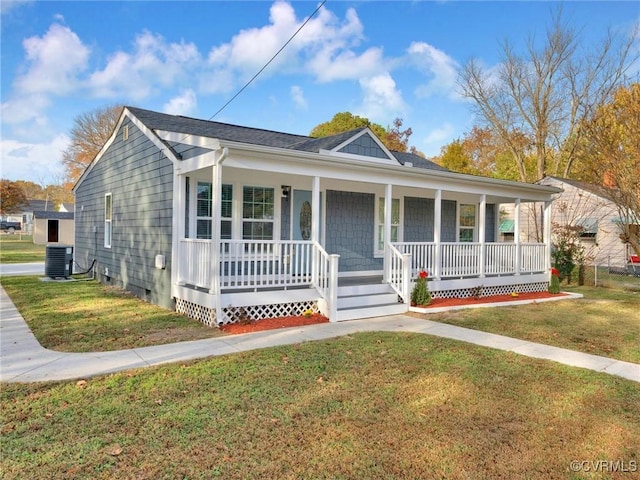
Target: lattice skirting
{"x": 210, "y": 317}
{"x": 205, "y": 315}
{"x": 490, "y": 291}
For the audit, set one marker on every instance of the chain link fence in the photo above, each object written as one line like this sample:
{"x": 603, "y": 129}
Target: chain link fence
{"x": 607, "y": 276}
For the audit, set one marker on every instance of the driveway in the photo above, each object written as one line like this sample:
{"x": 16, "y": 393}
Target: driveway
{"x": 8, "y": 269}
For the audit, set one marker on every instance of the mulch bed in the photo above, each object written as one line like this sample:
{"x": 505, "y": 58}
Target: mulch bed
{"x": 300, "y": 320}
{"x": 455, "y": 302}
{"x": 273, "y": 323}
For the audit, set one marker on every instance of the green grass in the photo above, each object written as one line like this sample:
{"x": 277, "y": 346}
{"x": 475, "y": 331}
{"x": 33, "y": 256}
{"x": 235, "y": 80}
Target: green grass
{"x": 85, "y": 316}
{"x": 366, "y": 406}
{"x": 605, "y": 322}
{"x": 20, "y": 249}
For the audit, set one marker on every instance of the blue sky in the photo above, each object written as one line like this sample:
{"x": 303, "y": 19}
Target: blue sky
{"x": 377, "y": 59}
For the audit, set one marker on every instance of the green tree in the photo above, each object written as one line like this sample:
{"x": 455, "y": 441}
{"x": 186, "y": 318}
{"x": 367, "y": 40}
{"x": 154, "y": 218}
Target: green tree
{"x": 393, "y": 137}
{"x": 12, "y": 197}
{"x": 455, "y": 158}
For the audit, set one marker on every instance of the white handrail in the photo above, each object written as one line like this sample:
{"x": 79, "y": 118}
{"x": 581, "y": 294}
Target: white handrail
{"x": 400, "y": 272}
{"x": 325, "y": 280}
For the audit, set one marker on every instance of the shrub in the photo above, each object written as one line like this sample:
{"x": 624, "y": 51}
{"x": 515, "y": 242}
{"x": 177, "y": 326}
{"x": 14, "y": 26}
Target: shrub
{"x": 420, "y": 294}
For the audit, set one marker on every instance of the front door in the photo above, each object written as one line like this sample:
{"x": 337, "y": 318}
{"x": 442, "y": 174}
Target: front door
{"x": 52, "y": 231}
{"x": 301, "y": 222}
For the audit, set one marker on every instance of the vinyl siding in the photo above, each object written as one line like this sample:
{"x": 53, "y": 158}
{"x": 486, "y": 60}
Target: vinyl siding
{"x": 140, "y": 179}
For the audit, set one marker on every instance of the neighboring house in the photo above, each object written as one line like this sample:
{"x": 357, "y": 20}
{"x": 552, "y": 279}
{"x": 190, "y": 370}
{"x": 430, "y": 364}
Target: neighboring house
{"x": 32, "y": 206}
{"x": 581, "y": 205}
{"x": 220, "y": 221}
{"x": 51, "y": 227}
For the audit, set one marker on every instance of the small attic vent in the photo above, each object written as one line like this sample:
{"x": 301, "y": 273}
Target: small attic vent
{"x": 125, "y": 133}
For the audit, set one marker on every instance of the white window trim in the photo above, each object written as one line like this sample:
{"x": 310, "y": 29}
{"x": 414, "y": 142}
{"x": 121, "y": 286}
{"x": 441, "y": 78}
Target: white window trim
{"x": 459, "y": 227}
{"x": 108, "y": 222}
{"x": 376, "y": 236}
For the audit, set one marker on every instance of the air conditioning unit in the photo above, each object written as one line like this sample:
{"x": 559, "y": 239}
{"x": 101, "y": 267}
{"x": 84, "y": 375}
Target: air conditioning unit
{"x": 58, "y": 261}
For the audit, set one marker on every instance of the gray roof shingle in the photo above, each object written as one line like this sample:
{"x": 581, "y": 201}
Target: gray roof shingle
{"x": 257, "y": 136}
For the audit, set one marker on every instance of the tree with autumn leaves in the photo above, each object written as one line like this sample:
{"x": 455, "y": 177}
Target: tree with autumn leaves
{"x": 610, "y": 153}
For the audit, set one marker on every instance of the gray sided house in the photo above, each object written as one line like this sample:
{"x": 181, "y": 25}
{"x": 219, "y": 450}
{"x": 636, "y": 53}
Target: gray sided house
{"x": 221, "y": 221}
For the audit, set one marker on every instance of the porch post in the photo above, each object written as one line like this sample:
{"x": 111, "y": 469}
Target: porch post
{"x": 482, "y": 232}
{"x": 178, "y": 228}
{"x": 516, "y": 233}
{"x": 216, "y": 196}
{"x": 388, "y": 192}
{"x": 547, "y": 233}
{"x": 315, "y": 225}
{"x": 437, "y": 220}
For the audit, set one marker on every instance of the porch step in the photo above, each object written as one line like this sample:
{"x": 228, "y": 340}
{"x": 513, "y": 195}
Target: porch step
{"x": 373, "y": 311}
{"x": 367, "y": 300}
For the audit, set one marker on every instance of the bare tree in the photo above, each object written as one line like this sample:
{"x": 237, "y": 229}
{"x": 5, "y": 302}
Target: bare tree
{"x": 546, "y": 93}
{"x": 89, "y": 134}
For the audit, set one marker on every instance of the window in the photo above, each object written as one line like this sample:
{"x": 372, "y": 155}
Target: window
{"x": 108, "y": 215}
{"x": 588, "y": 228}
{"x": 395, "y": 223}
{"x": 258, "y": 207}
{"x": 204, "y": 210}
{"x": 467, "y": 223}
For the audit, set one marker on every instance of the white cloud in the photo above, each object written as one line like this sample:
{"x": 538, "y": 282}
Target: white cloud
{"x": 297, "y": 95}
{"x": 439, "y": 136}
{"x": 25, "y": 108}
{"x": 152, "y": 64}
{"x": 323, "y": 48}
{"x": 54, "y": 62}
{"x": 183, "y": 104}
{"x": 440, "y": 68}
{"x": 382, "y": 100}
{"x": 36, "y": 162}
{"x": 7, "y": 6}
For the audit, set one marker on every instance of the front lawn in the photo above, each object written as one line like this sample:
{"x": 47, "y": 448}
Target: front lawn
{"x": 20, "y": 249}
{"x": 605, "y": 322}
{"x": 85, "y": 316}
{"x": 365, "y": 406}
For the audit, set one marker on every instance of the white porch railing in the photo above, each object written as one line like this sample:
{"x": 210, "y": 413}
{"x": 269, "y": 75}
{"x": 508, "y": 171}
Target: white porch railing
{"x": 500, "y": 258}
{"x": 532, "y": 257}
{"x": 463, "y": 259}
{"x": 246, "y": 264}
{"x": 254, "y": 263}
{"x": 400, "y": 272}
{"x": 325, "y": 280}
{"x": 194, "y": 262}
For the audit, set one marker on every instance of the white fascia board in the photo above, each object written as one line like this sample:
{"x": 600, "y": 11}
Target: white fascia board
{"x": 286, "y": 161}
{"x": 189, "y": 139}
{"x": 142, "y": 127}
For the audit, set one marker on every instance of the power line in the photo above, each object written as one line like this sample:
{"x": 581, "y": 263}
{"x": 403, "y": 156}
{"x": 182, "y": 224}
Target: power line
{"x": 269, "y": 62}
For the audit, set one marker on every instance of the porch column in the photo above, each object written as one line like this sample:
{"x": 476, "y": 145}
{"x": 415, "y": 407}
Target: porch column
{"x": 388, "y": 193}
{"x": 177, "y": 227}
{"x": 437, "y": 220}
{"x": 216, "y": 196}
{"x": 516, "y": 234}
{"x": 547, "y": 233}
{"x": 315, "y": 226}
{"x": 482, "y": 237}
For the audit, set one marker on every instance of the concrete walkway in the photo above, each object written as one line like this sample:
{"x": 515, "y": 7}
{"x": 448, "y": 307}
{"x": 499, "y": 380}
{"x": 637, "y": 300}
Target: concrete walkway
{"x": 23, "y": 359}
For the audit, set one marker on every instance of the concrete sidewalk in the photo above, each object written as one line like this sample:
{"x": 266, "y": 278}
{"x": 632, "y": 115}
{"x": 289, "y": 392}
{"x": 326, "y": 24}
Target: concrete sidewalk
{"x": 23, "y": 359}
